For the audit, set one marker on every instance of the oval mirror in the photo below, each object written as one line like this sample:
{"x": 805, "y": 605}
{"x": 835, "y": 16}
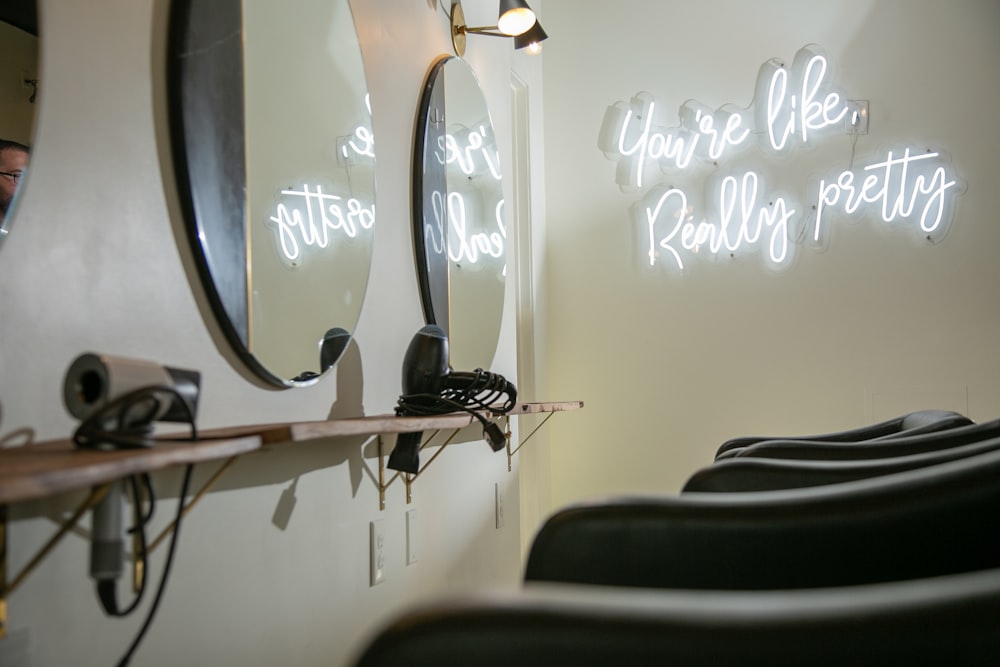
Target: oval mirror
{"x": 274, "y": 152}
{"x": 19, "y": 48}
{"x": 459, "y": 228}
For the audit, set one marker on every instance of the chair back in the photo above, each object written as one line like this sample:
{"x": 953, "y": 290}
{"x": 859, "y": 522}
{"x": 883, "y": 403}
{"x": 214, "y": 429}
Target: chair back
{"x": 931, "y": 521}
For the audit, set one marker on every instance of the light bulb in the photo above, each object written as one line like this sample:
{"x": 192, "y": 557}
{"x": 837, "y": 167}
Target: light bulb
{"x": 533, "y": 49}
{"x": 516, "y": 21}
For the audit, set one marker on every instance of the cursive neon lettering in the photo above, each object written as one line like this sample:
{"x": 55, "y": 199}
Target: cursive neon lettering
{"x": 309, "y": 217}
{"x": 896, "y": 187}
{"x": 792, "y": 107}
{"x": 742, "y": 218}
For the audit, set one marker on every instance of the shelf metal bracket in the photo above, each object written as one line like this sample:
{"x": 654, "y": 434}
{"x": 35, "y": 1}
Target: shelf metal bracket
{"x": 139, "y": 563}
{"x": 408, "y": 478}
{"x": 511, "y": 452}
{"x": 95, "y": 496}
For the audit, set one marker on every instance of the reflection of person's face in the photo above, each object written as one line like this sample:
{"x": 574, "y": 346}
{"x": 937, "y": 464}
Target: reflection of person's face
{"x": 12, "y": 161}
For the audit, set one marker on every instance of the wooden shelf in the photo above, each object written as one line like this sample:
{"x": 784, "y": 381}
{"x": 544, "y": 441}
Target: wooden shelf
{"x": 47, "y": 468}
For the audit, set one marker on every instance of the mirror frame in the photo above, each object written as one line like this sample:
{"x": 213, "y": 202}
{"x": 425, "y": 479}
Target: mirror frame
{"x": 206, "y": 89}
{"x": 21, "y": 15}
{"x": 432, "y": 277}
{"x": 208, "y": 145}
{"x": 434, "y": 270}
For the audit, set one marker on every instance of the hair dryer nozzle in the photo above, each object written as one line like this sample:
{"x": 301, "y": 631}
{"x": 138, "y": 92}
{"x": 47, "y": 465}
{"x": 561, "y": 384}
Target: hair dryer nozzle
{"x": 405, "y": 456}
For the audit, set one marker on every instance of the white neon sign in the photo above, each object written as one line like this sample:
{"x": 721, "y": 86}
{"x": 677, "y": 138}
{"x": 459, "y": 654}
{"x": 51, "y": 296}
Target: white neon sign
{"x": 457, "y": 228}
{"x": 741, "y": 219}
{"x": 793, "y": 107}
{"x": 312, "y": 218}
{"x": 360, "y": 143}
{"x": 801, "y": 100}
{"x": 898, "y": 187}
{"x": 473, "y": 151}
{"x": 464, "y": 246}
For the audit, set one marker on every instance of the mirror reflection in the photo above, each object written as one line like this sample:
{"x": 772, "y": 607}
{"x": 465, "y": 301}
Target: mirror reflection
{"x": 271, "y": 104}
{"x": 460, "y": 234}
{"x": 19, "y": 47}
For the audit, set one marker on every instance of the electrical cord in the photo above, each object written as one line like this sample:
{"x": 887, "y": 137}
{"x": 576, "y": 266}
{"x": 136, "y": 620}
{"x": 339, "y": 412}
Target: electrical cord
{"x": 126, "y": 422}
{"x": 106, "y": 588}
{"x": 181, "y": 500}
{"x": 471, "y": 392}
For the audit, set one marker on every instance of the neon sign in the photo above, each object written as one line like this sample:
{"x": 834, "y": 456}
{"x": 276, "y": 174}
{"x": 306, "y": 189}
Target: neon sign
{"x": 458, "y": 227}
{"x": 360, "y": 143}
{"x": 473, "y": 151}
{"x": 463, "y": 245}
{"x": 312, "y": 218}
{"x": 793, "y": 107}
{"x": 741, "y": 219}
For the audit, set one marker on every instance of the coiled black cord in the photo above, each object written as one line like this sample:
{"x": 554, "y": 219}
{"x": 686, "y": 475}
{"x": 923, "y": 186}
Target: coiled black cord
{"x": 127, "y": 421}
{"x": 472, "y": 392}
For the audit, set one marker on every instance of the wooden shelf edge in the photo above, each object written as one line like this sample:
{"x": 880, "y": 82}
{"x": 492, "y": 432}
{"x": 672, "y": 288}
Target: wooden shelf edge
{"x": 44, "y": 469}
{"x": 38, "y": 470}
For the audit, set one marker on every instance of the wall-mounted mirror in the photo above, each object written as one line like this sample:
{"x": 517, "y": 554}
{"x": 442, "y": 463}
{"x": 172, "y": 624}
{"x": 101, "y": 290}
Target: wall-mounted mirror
{"x": 459, "y": 229}
{"x": 274, "y": 152}
{"x": 19, "y": 48}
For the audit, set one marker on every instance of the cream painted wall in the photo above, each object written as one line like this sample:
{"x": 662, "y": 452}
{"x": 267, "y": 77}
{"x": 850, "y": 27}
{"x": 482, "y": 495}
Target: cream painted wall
{"x": 670, "y": 367}
{"x": 97, "y": 262}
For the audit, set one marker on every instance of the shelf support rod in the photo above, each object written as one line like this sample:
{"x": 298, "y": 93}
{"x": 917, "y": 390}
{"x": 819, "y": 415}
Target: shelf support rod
{"x": 205, "y": 488}
{"x": 510, "y": 452}
{"x": 408, "y": 478}
{"x": 381, "y": 475}
{"x": 95, "y": 496}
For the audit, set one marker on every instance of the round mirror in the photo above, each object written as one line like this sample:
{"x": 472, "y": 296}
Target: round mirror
{"x": 460, "y": 234}
{"x": 18, "y": 101}
{"x": 276, "y": 167}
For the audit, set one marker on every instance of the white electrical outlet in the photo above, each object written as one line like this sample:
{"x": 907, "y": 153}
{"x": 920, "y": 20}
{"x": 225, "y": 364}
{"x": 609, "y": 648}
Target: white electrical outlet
{"x": 498, "y": 498}
{"x": 411, "y": 537}
{"x": 377, "y": 551}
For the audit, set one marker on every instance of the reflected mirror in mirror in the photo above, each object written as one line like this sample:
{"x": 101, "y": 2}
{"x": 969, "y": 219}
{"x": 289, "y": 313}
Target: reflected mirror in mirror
{"x": 19, "y": 46}
{"x": 460, "y": 233}
{"x": 275, "y": 157}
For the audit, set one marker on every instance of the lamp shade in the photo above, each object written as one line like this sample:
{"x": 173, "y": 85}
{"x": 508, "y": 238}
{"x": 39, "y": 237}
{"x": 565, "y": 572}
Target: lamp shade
{"x": 515, "y": 17}
{"x": 532, "y": 38}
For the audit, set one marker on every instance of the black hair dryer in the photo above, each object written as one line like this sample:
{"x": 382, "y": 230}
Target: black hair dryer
{"x": 430, "y": 387}
{"x": 425, "y": 367}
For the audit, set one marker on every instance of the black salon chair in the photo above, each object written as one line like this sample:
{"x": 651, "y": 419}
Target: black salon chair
{"x": 926, "y": 522}
{"x": 923, "y": 421}
{"x": 942, "y": 621}
{"x": 903, "y": 445}
{"x": 755, "y": 473}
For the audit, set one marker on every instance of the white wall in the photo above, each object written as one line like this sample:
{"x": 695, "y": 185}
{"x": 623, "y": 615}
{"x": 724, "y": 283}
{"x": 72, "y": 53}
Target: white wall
{"x": 97, "y": 261}
{"x": 877, "y": 322}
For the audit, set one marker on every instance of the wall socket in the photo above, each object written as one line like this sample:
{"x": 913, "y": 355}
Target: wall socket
{"x": 376, "y": 535}
{"x": 498, "y": 501}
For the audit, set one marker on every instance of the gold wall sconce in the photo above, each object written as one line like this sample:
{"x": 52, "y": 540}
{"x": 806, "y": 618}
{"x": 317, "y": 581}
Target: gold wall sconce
{"x": 515, "y": 20}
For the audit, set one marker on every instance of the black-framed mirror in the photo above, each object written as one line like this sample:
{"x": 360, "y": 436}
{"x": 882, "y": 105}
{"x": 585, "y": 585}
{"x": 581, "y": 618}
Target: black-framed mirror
{"x": 19, "y": 58}
{"x": 459, "y": 224}
{"x": 274, "y": 153}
